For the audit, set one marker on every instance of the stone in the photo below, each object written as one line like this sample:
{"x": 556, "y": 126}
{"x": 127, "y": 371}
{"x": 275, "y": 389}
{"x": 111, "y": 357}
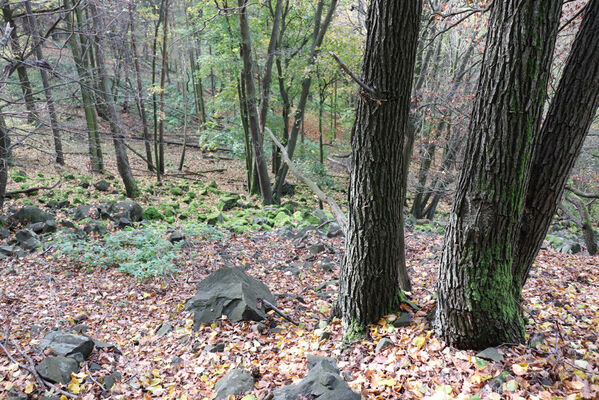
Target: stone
{"x": 313, "y": 359}
{"x": 261, "y": 221}
{"x": 490, "y": 354}
{"x": 110, "y": 380}
{"x": 229, "y": 291}
{"x": 383, "y": 344}
{"x": 404, "y": 319}
{"x": 286, "y": 231}
{"x": 27, "y": 239}
{"x": 68, "y": 224}
{"x": 67, "y": 344}
{"x": 536, "y": 339}
{"x": 128, "y": 209}
{"x": 106, "y": 346}
{"x": 215, "y": 218}
{"x": 50, "y": 226}
{"x": 176, "y": 236}
{"x": 569, "y": 247}
{"x": 96, "y": 228}
{"x": 31, "y": 214}
{"x": 81, "y": 212}
{"x": 217, "y": 348}
{"x": 323, "y": 382}
{"x": 164, "y": 329}
{"x": 57, "y": 369}
{"x": 8, "y": 250}
{"x": 124, "y": 222}
{"x": 38, "y": 227}
{"x": 334, "y": 230}
{"x": 236, "y": 382}
{"x": 4, "y": 233}
{"x": 102, "y": 185}
{"x": 317, "y": 248}
{"x": 176, "y": 361}
{"x": 227, "y": 203}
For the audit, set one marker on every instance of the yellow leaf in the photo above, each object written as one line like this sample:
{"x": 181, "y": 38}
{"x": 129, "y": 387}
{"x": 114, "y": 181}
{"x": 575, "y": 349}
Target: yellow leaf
{"x": 419, "y": 342}
{"x": 388, "y": 382}
{"x": 63, "y": 397}
{"x": 494, "y": 396}
{"x": 520, "y": 369}
{"x": 74, "y": 387}
{"x": 28, "y": 388}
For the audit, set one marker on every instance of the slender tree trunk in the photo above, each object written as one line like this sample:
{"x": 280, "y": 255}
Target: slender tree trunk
{"x": 584, "y": 222}
{"x": 478, "y": 304}
{"x": 21, "y": 70}
{"x": 154, "y": 100}
{"x": 564, "y": 130}
{"x": 184, "y": 90}
{"x": 85, "y": 84}
{"x": 122, "y": 160}
{"x": 4, "y": 157}
{"x": 320, "y": 28}
{"x": 369, "y": 281}
{"x": 160, "y": 161}
{"x": 140, "y": 95}
{"x": 257, "y": 137}
{"x": 37, "y": 44}
{"x": 270, "y": 58}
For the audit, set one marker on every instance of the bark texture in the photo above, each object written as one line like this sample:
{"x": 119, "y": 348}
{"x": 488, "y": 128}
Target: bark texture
{"x": 563, "y": 133}
{"x": 478, "y": 302}
{"x": 369, "y": 277}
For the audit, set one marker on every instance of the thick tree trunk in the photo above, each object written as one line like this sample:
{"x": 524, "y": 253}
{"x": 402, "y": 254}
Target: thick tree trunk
{"x": 140, "y": 95}
{"x": 122, "y": 160}
{"x": 21, "y": 70}
{"x": 564, "y": 130}
{"x": 37, "y": 44}
{"x": 254, "y": 122}
{"x": 369, "y": 282}
{"x": 478, "y": 304}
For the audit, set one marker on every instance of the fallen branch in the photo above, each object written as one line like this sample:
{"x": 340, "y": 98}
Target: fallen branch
{"x": 10, "y": 195}
{"x": 582, "y": 194}
{"x": 277, "y": 310}
{"x": 335, "y": 209}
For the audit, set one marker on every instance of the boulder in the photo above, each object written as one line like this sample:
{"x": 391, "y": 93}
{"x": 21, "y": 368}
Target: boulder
{"x": 569, "y": 247}
{"x": 228, "y": 202}
{"x": 404, "y": 319}
{"x": 67, "y": 344}
{"x": 57, "y": 369}
{"x": 383, "y": 344}
{"x": 323, "y": 382}
{"x": 102, "y": 185}
{"x": 31, "y": 215}
{"x": 95, "y": 227}
{"x": 81, "y": 212}
{"x": 236, "y": 382}
{"x": 27, "y": 239}
{"x": 229, "y": 291}
{"x": 8, "y": 250}
{"x": 334, "y": 230}
{"x": 128, "y": 209}
{"x": 124, "y": 222}
{"x": 176, "y": 236}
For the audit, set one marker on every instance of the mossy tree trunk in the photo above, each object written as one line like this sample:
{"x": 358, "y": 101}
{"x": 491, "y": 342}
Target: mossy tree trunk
{"x": 565, "y": 128}
{"x": 478, "y": 301}
{"x": 369, "y": 282}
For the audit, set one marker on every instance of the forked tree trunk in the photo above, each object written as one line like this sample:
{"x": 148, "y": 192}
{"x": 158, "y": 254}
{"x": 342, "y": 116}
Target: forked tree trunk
{"x": 369, "y": 281}
{"x": 564, "y": 130}
{"x": 478, "y": 303}
{"x": 122, "y": 161}
{"x": 37, "y": 44}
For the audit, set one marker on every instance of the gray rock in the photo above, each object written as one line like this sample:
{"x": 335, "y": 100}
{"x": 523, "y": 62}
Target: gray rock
{"x": 81, "y": 212}
{"x": 321, "y": 215}
{"x": 536, "y": 339}
{"x": 68, "y": 224}
{"x": 404, "y": 319}
{"x": 164, "y": 329}
{"x": 4, "y": 233}
{"x": 67, "y": 344}
{"x": 102, "y": 185}
{"x": 57, "y": 369}
{"x": 106, "y": 346}
{"x": 286, "y": 231}
{"x": 236, "y": 382}
{"x": 50, "y": 226}
{"x": 229, "y": 291}
{"x": 327, "y": 267}
{"x": 95, "y": 227}
{"x": 27, "y": 239}
{"x": 110, "y": 380}
{"x": 128, "y": 209}
{"x": 176, "y": 361}
{"x": 214, "y": 219}
{"x": 317, "y": 248}
{"x": 217, "y": 348}
{"x": 334, "y": 230}
{"x": 8, "y": 250}
{"x": 313, "y": 359}
{"x": 323, "y": 382}
{"x": 124, "y": 222}
{"x": 31, "y": 214}
{"x": 176, "y": 236}
{"x": 38, "y": 227}
{"x": 569, "y": 247}
{"x": 383, "y": 344}
{"x": 490, "y": 354}
{"x": 260, "y": 221}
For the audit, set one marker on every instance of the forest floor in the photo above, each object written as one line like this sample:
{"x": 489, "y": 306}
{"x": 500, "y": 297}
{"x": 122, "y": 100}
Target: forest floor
{"x": 41, "y": 291}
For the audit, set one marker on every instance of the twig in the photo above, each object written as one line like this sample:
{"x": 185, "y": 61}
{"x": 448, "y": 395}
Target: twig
{"x": 9, "y": 195}
{"x": 277, "y": 310}
{"x": 92, "y": 377}
{"x": 335, "y": 209}
{"x": 352, "y": 75}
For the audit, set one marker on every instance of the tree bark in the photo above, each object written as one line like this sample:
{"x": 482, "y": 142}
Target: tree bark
{"x": 564, "y": 130}
{"x": 163, "y": 70}
{"x": 254, "y": 122}
{"x": 478, "y": 304}
{"x": 270, "y": 57}
{"x": 369, "y": 282}
{"x": 4, "y": 152}
{"x": 122, "y": 160}
{"x": 37, "y": 44}
{"x": 140, "y": 96}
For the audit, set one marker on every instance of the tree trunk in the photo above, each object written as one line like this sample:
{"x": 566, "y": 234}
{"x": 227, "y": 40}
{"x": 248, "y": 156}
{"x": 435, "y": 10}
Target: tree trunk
{"x": 140, "y": 95}
{"x": 37, "y": 44}
{"x": 255, "y": 131}
{"x": 85, "y": 84}
{"x": 320, "y": 28}
{"x": 122, "y": 160}
{"x": 163, "y": 70}
{"x": 4, "y": 155}
{"x": 478, "y": 304}
{"x": 584, "y": 222}
{"x": 21, "y": 69}
{"x": 369, "y": 281}
{"x": 270, "y": 57}
{"x": 564, "y": 130}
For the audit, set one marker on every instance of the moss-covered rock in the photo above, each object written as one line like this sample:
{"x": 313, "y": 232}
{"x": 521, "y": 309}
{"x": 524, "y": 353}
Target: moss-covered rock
{"x": 152, "y": 214}
{"x": 282, "y": 219}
